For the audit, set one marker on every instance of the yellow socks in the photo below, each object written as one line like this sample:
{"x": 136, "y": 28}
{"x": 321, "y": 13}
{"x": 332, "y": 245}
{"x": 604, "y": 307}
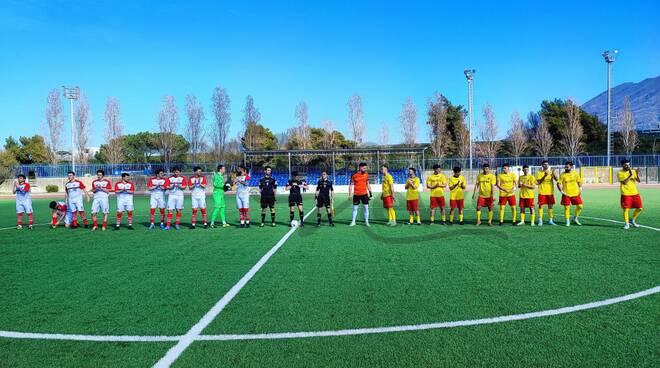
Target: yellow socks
{"x": 541, "y": 213}
{"x": 419, "y": 219}
{"x": 533, "y": 217}
{"x": 478, "y": 216}
{"x": 451, "y": 217}
{"x": 567, "y": 212}
{"x": 626, "y": 215}
{"x": 432, "y": 218}
{"x": 490, "y": 216}
{"x": 513, "y": 213}
{"x": 578, "y": 210}
{"x": 502, "y": 213}
{"x": 443, "y": 217}
{"x": 410, "y": 219}
{"x": 522, "y": 217}
{"x": 636, "y": 213}
{"x": 551, "y": 213}
{"x": 460, "y": 217}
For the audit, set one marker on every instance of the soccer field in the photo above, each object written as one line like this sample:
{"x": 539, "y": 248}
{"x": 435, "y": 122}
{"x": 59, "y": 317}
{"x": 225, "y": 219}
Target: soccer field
{"x": 144, "y": 290}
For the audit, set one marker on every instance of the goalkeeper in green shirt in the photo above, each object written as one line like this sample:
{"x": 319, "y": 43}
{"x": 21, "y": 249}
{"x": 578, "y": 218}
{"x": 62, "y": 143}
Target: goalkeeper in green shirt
{"x": 219, "y": 189}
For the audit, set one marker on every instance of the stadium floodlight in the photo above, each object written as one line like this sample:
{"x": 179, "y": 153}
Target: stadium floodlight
{"x": 609, "y": 57}
{"x": 469, "y": 75}
{"x": 72, "y": 93}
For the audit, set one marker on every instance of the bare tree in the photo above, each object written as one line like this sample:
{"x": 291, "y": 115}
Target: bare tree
{"x": 517, "y": 136}
{"x": 462, "y": 138}
{"x": 83, "y": 125}
{"x": 408, "y": 122}
{"x": 436, "y": 121}
{"x": 168, "y": 122}
{"x": 302, "y": 128}
{"x": 356, "y": 124}
{"x": 54, "y": 122}
{"x": 384, "y": 134}
{"x": 251, "y": 116}
{"x": 541, "y": 138}
{"x": 114, "y": 129}
{"x": 489, "y": 145}
{"x": 220, "y": 104}
{"x": 195, "y": 132}
{"x": 626, "y": 125}
{"x": 329, "y": 137}
{"x": 572, "y": 132}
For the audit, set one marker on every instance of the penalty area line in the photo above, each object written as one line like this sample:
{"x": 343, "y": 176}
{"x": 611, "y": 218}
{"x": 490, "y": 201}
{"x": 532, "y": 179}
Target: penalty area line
{"x": 195, "y": 331}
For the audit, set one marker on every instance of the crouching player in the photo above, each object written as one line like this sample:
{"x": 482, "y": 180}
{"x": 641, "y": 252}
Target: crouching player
{"x": 295, "y": 186}
{"x": 23, "y": 201}
{"x": 570, "y": 186}
{"x": 157, "y": 187}
{"x": 526, "y": 183}
{"x": 101, "y": 188}
{"x": 74, "y": 198}
{"x": 457, "y": 185}
{"x": 61, "y": 214}
{"x": 324, "y": 195}
{"x": 197, "y": 185}
{"x": 630, "y": 197}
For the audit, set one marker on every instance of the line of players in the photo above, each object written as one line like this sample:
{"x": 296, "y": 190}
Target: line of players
{"x": 569, "y": 183}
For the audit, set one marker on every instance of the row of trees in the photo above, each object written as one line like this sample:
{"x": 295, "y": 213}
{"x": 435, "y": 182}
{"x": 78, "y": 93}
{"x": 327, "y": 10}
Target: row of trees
{"x": 559, "y": 127}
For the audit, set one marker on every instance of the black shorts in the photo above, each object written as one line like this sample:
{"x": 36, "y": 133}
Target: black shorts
{"x": 322, "y": 201}
{"x": 357, "y": 199}
{"x": 267, "y": 202}
{"x": 295, "y": 201}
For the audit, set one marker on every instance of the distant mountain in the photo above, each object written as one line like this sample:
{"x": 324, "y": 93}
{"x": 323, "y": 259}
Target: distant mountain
{"x": 644, "y": 100}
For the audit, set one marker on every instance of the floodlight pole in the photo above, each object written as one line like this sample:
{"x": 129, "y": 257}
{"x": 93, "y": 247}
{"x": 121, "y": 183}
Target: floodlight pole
{"x": 469, "y": 75}
{"x": 609, "y": 59}
{"x": 72, "y": 93}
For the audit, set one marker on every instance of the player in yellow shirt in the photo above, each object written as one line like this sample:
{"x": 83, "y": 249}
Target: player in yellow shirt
{"x": 387, "y": 195}
{"x": 412, "y": 196}
{"x": 630, "y": 198}
{"x": 486, "y": 184}
{"x": 506, "y": 181}
{"x": 545, "y": 180}
{"x": 570, "y": 186}
{"x": 436, "y": 183}
{"x": 526, "y": 183}
{"x": 456, "y": 185}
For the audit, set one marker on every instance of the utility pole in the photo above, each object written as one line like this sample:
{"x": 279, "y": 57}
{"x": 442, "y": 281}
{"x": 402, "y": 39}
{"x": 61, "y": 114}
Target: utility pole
{"x": 609, "y": 59}
{"x": 469, "y": 75}
{"x": 72, "y": 93}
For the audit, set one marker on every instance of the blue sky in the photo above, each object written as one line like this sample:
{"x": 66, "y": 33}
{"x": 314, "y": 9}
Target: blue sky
{"x": 322, "y": 52}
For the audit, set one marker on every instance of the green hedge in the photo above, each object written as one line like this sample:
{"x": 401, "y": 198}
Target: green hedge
{"x": 52, "y": 188}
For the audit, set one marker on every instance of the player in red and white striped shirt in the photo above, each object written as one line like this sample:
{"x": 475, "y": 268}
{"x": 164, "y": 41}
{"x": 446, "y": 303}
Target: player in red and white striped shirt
{"x": 197, "y": 184}
{"x": 101, "y": 188}
{"x": 157, "y": 187}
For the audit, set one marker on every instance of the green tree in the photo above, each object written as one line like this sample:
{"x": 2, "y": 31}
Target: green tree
{"x": 595, "y": 133}
{"x": 258, "y": 137}
{"x": 143, "y": 147}
{"x": 28, "y": 150}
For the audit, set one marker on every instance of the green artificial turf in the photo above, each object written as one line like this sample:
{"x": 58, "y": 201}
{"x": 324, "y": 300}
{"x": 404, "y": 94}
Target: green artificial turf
{"x": 161, "y": 283}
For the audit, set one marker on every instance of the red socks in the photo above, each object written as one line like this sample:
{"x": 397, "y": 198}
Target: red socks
{"x": 204, "y": 214}
{"x": 30, "y": 218}
{"x": 130, "y": 217}
{"x": 119, "y": 215}
{"x": 169, "y": 219}
{"x": 178, "y": 217}
{"x": 152, "y": 214}
{"x": 194, "y": 216}
{"x": 84, "y": 218}
{"x": 19, "y": 219}
{"x": 162, "y": 215}
{"x": 95, "y": 223}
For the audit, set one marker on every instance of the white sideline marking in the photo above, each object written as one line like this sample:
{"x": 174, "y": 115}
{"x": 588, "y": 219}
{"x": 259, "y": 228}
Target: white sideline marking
{"x": 358, "y": 331}
{"x": 619, "y": 222}
{"x": 432, "y": 326}
{"x": 195, "y": 331}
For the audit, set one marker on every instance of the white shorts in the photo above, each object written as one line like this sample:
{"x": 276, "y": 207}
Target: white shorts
{"x": 76, "y": 205}
{"x": 100, "y": 205}
{"x": 68, "y": 218}
{"x": 198, "y": 202}
{"x": 24, "y": 207}
{"x": 157, "y": 200}
{"x": 175, "y": 202}
{"x": 243, "y": 201}
{"x": 124, "y": 205}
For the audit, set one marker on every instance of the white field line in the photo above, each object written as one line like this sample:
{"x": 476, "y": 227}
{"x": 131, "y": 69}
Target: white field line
{"x": 195, "y": 331}
{"x": 619, "y": 222}
{"x": 347, "y": 332}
